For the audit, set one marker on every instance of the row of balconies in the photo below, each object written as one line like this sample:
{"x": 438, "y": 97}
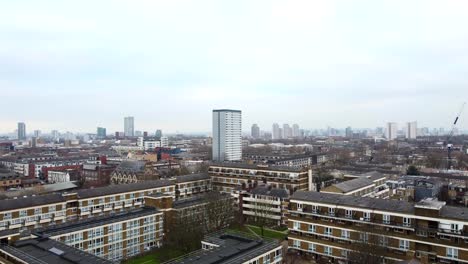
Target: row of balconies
{"x": 387, "y": 229}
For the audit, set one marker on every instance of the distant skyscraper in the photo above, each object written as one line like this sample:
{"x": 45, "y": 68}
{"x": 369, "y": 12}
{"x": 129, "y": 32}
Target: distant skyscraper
{"x": 391, "y": 131}
{"x": 101, "y": 132}
{"x": 129, "y": 129}
{"x": 349, "y": 132}
{"x": 287, "y": 131}
{"x": 412, "y": 130}
{"x": 34, "y": 142}
{"x": 37, "y": 133}
{"x": 227, "y": 135}
{"x": 55, "y": 134}
{"x": 21, "y": 131}
{"x": 296, "y": 131}
{"x": 158, "y": 133}
{"x": 255, "y": 131}
{"x": 275, "y": 132}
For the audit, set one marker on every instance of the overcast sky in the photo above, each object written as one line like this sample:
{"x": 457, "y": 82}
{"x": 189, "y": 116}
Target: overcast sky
{"x": 75, "y": 66}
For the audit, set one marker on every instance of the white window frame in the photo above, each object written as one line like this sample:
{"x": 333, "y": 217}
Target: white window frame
{"x": 331, "y": 211}
{"x": 349, "y": 213}
{"x": 404, "y": 244}
{"x": 386, "y": 219}
{"x": 367, "y": 216}
{"x": 327, "y": 250}
{"x": 406, "y": 221}
{"x": 452, "y": 253}
{"x": 296, "y": 225}
{"x": 345, "y": 233}
{"x": 312, "y": 247}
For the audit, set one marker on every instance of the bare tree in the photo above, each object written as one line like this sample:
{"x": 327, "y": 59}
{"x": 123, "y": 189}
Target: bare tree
{"x": 263, "y": 211}
{"x": 371, "y": 248}
{"x": 219, "y": 211}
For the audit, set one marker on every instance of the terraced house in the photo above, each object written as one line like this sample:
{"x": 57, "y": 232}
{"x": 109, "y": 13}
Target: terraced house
{"x": 343, "y": 228}
{"x": 228, "y": 177}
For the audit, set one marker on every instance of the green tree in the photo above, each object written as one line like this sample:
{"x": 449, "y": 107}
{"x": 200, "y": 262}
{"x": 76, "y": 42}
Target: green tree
{"x": 412, "y": 170}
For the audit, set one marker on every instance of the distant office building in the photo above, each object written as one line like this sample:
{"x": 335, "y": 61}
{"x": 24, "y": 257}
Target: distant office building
{"x": 34, "y": 142}
{"x": 129, "y": 129}
{"x": 138, "y": 133}
{"x": 55, "y": 134}
{"x": 227, "y": 135}
{"x": 255, "y": 131}
{"x": 158, "y": 133}
{"x": 287, "y": 131}
{"x": 21, "y": 131}
{"x": 349, "y": 132}
{"x": 412, "y": 130}
{"x": 119, "y": 134}
{"x": 391, "y": 131}
{"x": 296, "y": 131}
{"x": 37, "y": 133}
{"x": 101, "y": 132}
{"x": 276, "y": 132}
{"x": 164, "y": 142}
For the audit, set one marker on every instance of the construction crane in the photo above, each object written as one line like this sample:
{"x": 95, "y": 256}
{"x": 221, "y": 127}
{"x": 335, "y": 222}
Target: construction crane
{"x": 449, "y": 137}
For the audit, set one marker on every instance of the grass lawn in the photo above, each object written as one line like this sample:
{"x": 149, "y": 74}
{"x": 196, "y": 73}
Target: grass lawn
{"x": 156, "y": 257}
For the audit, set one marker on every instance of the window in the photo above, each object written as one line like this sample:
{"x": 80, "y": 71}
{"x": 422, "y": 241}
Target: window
{"x": 6, "y": 216}
{"x": 331, "y": 211}
{"x": 312, "y": 247}
{"x": 454, "y": 228}
{"x": 315, "y": 209}
{"x": 406, "y": 221}
{"x": 296, "y": 244}
{"x": 364, "y": 237}
{"x": 23, "y": 213}
{"x": 367, "y": 216}
{"x": 327, "y": 250}
{"x": 328, "y": 231}
{"x": 386, "y": 219}
{"x": 299, "y": 207}
{"x": 344, "y": 253}
{"x": 312, "y": 228}
{"x": 404, "y": 244}
{"x": 297, "y": 225}
{"x": 349, "y": 213}
{"x": 345, "y": 233}
{"x": 37, "y": 211}
{"x": 383, "y": 241}
{"x": 452, "y": 253}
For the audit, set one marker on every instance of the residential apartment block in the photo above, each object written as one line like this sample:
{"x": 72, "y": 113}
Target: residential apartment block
{"x": 332, "y": 226}
{"x": 113, "y": 237}
{"x": 228, "y": 177}
{"x": 367, "y": 184}
{"x": 264, "y": 202}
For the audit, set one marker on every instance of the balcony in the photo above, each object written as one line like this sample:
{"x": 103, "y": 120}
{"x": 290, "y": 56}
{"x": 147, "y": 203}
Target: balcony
{"x": 316, "y": 215}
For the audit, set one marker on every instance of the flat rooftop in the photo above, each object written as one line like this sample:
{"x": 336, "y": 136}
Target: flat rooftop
{"x": 92, "y": 222}
{"x": 122, "y": 188}
{"x": 257, "y": 167}
{"x": 192, "y": 177}
{"x": 234, "y": 248}
{"x": 448, "y": 212}
{"x": 46, "y": 251}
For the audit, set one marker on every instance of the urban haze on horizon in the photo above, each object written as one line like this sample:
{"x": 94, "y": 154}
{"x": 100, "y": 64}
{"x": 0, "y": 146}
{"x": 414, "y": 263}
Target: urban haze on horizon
{"x": 318, "y": 64}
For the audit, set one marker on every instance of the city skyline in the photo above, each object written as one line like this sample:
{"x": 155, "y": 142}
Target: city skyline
{"x": 402, "y": 127}
{"x": 327, "y": 64}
